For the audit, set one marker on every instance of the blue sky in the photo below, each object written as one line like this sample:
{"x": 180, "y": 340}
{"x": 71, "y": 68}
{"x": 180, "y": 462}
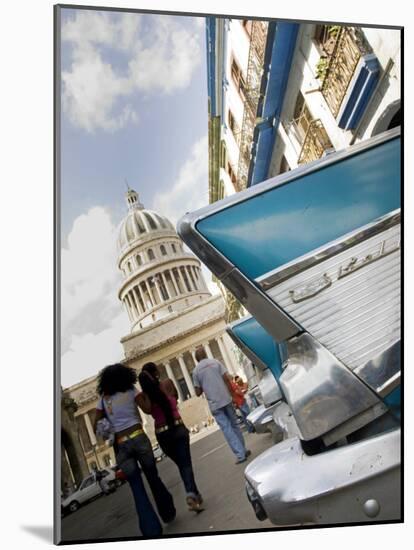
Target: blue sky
{"x": 150, "y": 152}
{"x": 134, "y": 106}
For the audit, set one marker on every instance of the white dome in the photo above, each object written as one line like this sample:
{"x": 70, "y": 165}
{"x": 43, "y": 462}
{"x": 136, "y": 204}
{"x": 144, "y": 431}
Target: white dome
{"x": 140, "y": 222}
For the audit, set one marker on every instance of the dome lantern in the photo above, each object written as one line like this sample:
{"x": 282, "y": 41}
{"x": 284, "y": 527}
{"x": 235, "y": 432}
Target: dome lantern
{"x": 132, "y": 199}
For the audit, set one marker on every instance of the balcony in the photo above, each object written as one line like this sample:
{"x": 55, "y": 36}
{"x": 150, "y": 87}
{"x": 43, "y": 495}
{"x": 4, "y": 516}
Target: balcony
{"x": 349, "y": 72}
{"x": 316, "y": 142}
{"x": 250, "y": 93}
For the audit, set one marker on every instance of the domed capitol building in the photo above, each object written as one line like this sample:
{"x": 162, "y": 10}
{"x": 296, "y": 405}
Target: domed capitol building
{"x": 171, "y": 312}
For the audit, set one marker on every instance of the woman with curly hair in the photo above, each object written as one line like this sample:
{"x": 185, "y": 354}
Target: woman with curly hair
{"x": 118, "y": 403}
{"x": 160, "y": 400}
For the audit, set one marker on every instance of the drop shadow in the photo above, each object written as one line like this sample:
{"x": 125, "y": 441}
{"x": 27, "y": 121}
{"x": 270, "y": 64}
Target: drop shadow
{"x": 43, "y": 532}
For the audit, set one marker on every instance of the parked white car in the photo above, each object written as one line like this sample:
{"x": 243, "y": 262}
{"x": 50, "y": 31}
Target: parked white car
{"x": 88, "y": 490}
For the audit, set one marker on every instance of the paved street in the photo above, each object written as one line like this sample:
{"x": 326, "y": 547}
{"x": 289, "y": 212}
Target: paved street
{"x": 219, "y": 479}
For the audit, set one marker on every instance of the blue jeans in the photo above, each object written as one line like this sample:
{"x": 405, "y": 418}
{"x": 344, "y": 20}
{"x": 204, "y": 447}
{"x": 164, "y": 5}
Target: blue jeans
{"x": 245, "y": 411}
{"x": 226, "y": 418}
{"x": 175, "y": 442}
{"x": 128, "y": 454}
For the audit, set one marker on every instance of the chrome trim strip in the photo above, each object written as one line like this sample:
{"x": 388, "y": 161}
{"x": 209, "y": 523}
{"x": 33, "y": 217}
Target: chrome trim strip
{"x": 268, "y": 280}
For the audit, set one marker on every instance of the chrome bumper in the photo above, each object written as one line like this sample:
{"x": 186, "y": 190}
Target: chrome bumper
{"x": 262, "y": 418}
{"x": 353, "y": 483}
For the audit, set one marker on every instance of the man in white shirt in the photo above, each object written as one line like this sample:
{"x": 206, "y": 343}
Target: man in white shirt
{"x": 210, "y": 377}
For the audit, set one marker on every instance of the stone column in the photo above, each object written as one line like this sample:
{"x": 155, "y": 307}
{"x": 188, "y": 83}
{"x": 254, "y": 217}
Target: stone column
{"x": 132, "y": 307}
{"x": 174, "y": 282}
{"x": 127, "y": 308}
{"x": 135, "y": 292}
{"x": 208, "y": 350}
{"x": 186, "y": 375}
{"x": 171, "y": 375}
{"x": 157, "y": 286}
{"x": 194, "y": 357}
{"x": 164, "y": 279}
{"x": 190, "y": 277}
{"x": 89, "y": 428}
{"x": 180, "y": 275}
{"x": 225, "y": 356}
{"x": 133, "y": 303}
{"x": 151, "y": 299}
{"x": 196, "y": 280}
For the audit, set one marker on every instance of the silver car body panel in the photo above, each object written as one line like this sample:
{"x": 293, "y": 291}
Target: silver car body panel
{"x": 269, "y": 388}
{"x": 283, "y": 417}
{"x": 354, "y": 483}
{"x": 261, "y": 417}
{"x": 351, "y": 301}
{"x": 320, "y": 390}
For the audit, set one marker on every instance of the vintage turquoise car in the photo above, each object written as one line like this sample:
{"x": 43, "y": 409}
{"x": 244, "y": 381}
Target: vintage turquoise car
{"x": 314, "y": 256}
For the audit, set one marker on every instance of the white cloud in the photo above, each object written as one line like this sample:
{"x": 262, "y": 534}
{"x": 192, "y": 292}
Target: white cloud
{"x": 167, "y": 63}
{"x": 93, "y": 320}
{"x": 91, "y": 90}
{"x": 156, "y": 58}
{"x": 89, "y": 353}
{"x": 190, "y": 191}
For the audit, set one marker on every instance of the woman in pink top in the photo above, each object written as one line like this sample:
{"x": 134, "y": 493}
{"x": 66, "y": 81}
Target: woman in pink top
{"x": 160, "y": 400}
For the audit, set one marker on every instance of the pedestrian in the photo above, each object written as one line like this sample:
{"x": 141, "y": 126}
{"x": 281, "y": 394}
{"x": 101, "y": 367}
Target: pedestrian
{"x": 159, "y": 398}
{"x": 210, "y": 377}
{"x": 99, "y": 478}
{"x": 238, "y": 389}
{"x": 118, "y": 403}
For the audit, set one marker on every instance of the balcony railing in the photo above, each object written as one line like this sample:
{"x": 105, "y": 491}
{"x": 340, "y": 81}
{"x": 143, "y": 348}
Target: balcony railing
{"x": 316, "y": 142}
{"x": 251, "y": 95}
{"x": 347, "y": 50}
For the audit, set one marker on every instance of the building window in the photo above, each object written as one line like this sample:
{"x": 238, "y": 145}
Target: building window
{"x": 231, "y": 173}
{"x": 237, "y": 75}
{"x": 163, "y": 251}
{"x": 139, "y": 259}
{"x": 151, "y": 255}
{"x": 325, "y": 38}
{"x": 301, "y": 117}
{"x": 173, "y": 248}
{"x": 129, "y": 267}
{"x": 247, "y": 26}
{"x": 234, "y": 127}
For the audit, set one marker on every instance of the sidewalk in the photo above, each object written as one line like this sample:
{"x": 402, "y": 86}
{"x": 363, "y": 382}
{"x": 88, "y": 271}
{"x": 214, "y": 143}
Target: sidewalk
{"x": 203, "y": 433}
